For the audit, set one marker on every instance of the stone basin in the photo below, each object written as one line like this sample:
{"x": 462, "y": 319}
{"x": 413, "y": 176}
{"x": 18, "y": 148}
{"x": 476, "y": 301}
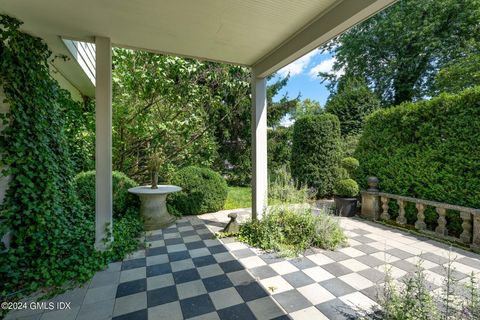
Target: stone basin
{"x": 153, "y": 207}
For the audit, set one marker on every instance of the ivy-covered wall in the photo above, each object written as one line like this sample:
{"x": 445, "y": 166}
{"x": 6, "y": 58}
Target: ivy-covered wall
{"x": 52, "y": 241}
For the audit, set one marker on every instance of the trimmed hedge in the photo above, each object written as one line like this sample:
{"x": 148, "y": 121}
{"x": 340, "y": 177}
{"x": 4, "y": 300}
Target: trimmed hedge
{"x": 204, "y": 190}
{"x": 429, "y": 150}
{"x": 122, "y": 199}
{"x": 316, "y": 152}
{"x": 279, "y": 148}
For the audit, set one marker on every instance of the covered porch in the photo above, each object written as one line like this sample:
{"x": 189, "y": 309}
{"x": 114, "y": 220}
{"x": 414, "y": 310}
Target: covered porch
{"x": 262, "y": 36}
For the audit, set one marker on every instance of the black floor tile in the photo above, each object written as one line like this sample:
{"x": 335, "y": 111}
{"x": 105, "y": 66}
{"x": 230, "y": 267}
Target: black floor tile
{"x": 373, "y": 275}
{"x": 176, "y": 256}
{"x": 237, "y": 312}
{"x": 134, "y": 263}
{"x": 169, "y": 242}
{"x": 337, "y": 269}
{"x": 263, "y": 272}
{"x": 186, "y": 276}
{"x": 298, "y": 279}
{"x": 251, "y": 291}
{"x": 156, "y": 251}
{"x": 195, "y": 245}
{"x": 158, "y": 269}
{"x": 217, "y": 249}
{"x": 131, "y": 287}
{"x": 161, "y": 296}
{"x": 292, "y": 300}
{"x": 204, "y": 261}
{"x": 217, "y": 283}
{"x": 196, "y": 306}
{"x": 336, "y": 309}
{"x": 337, "y": 287}
{"x": 302, "y": 263}
{"x": 188, "y": 233}
{"x": 137, "y": 315}
{"x": 231, "y": 266}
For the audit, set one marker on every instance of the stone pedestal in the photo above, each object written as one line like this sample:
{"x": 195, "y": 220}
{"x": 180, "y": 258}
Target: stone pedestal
{"x": 153, "y": 206}
{"x": 371, "y": 205}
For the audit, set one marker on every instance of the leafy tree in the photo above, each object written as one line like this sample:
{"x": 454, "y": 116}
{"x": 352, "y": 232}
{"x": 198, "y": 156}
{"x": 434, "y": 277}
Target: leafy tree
{"x": 156, "y": 107}
{"x": 400, "y": 50}
{"x": 351, "y": 103}
{"x": 459, "y": 75}
{"x": 284, "y": 106}
{"x": 306, "y": 107}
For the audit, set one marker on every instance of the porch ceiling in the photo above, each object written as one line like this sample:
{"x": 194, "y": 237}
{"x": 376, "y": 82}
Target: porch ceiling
{"x": 266, "y": 35}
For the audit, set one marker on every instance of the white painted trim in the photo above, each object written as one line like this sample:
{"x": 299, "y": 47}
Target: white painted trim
{"x": 326, "y": 27}
{"x": 259, "y": 147}
{"x": 103, "y": 141}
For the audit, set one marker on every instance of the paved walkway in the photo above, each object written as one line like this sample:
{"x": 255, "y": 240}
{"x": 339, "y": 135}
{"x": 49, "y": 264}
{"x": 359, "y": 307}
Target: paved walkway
{"x": 188, "y": 274}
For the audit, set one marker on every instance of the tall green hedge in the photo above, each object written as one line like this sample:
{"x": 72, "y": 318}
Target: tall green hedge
{"x": 316, "y": 152}
{"x": 429, "y": 149}
{"x": 279, "y": 148}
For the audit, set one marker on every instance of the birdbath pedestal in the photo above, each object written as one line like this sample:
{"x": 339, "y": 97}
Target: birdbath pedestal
{"x": 153, "y": 207}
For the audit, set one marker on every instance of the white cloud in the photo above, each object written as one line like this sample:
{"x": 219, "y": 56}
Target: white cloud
{"x": 299, "y": 65}
{"x": 325, "y": 66}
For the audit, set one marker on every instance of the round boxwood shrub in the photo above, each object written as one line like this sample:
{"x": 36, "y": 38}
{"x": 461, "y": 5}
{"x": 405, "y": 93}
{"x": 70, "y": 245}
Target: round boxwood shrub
{"x": 316, "y": 152}
{"x": 350, "y": 164}
{"x": 122, "y": 199}
{"x": 203, "y": 190}
{"x": 346, "y": 188}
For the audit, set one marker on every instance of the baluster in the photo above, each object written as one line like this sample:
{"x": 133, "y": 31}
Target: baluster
{"x": 420, "y": 223}
{"x": 401, "y": 212}
{"x": 384, "y": 215}
{"x": 476, "y": 232}
{"x": 441, "y": 228}
{"x": 466, "y": 235}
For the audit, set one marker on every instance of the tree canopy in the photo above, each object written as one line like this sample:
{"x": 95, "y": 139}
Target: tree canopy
{"x": 400, "y": 50}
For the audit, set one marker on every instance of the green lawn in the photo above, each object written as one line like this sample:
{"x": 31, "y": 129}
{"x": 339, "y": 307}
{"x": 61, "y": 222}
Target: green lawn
{"x": 238, "y": 197}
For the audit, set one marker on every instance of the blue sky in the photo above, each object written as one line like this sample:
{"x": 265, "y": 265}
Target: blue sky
{"x": 303, "y": 76}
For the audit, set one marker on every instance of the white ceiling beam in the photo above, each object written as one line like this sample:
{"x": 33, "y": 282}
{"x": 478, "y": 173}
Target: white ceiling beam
{"x": 324, "y": 28}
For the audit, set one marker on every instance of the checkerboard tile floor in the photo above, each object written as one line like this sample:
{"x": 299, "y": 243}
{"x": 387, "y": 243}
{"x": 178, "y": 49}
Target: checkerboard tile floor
{"x": 188, "y": 274}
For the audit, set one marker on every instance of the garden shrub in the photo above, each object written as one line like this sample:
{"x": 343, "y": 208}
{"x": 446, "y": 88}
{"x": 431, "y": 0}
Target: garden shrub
{"x": 427, "y": 150}
{"x": 316, "y": 152}
{"x": 283, "y": 189}
{"x": 346, "y": 188}
{"x": 122, "y": 199}
{"x": 126, "y": 232}
{"x": 203, "y": 190}
{"x": 279, "y": 148}
{"x": 413, "y": 297}
{"x": 290, "y": 230}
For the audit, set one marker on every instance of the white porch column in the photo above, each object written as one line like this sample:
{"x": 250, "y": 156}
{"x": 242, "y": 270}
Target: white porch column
{"x": 259, "y": 146}
{"x": 103, "y": 141}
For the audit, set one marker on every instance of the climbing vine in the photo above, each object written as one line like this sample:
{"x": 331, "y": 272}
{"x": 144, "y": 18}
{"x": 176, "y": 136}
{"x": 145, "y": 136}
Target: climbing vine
{"x": 52, "y": 241}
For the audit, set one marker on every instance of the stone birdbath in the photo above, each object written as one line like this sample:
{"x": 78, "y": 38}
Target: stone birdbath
{"x": 153, "y": 207}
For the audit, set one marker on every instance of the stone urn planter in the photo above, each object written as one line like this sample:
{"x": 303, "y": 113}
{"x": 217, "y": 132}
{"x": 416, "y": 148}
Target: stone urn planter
{"x": 345, "y": 207}
{"x": 153, "y": 207}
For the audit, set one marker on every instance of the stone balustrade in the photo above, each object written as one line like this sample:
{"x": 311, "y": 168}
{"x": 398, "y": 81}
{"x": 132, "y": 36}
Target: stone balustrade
{"x": 376, "y": 205}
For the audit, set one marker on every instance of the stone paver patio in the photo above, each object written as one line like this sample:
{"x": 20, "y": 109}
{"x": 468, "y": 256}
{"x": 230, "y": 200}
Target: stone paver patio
{"x": 188, "y": 274}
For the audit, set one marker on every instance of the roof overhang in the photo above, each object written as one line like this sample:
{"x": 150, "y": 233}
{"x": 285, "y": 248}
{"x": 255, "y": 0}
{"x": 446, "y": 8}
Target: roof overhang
{"x": 265, "y": 35}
